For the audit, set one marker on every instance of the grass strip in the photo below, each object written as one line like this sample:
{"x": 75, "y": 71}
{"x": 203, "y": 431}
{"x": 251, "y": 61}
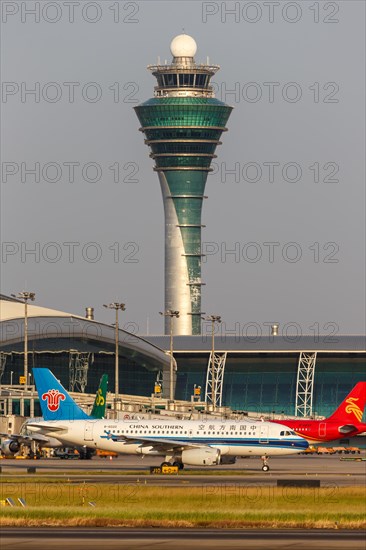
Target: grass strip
{"x": 221, "y": 505}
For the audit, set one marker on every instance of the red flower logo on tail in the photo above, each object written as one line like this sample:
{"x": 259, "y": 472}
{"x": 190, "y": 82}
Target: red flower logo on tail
{"x": 53, "y": 398}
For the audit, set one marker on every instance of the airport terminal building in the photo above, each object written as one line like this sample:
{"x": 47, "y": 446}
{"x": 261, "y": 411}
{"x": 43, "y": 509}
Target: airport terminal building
{"x": 77, "y": 349}
{"x": 263, "y": 374}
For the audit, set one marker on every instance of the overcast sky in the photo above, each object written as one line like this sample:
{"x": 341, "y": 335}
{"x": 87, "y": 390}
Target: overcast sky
{"x": 287, "y": 195}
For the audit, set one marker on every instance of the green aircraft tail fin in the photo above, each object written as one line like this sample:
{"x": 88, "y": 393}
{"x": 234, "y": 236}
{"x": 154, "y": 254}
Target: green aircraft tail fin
{"x": 100, "y": 398}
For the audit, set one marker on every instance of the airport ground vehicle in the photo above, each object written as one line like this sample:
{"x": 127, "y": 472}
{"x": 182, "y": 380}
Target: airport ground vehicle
{"x": 66, "y": 454}
{"x": 106, "y": 454}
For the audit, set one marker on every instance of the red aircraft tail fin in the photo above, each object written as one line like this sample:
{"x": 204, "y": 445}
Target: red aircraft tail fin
{"x": 351, "y": 409}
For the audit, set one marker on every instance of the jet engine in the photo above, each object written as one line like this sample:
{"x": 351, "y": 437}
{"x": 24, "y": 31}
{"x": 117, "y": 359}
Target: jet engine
{"x": 204, "y": 456}
{"x": 10, "y": 447}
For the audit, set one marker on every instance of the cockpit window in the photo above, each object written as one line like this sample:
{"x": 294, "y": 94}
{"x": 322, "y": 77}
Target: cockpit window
{"x": 286, "y": 433}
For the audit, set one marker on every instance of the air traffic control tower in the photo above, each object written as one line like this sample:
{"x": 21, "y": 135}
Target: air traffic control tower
{"x": 183, "y": 123}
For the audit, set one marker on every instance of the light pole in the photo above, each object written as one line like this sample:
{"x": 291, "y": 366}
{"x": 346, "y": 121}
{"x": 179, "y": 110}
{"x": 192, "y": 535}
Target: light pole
{"x": 116, "y": 306}
{"x": 170, "y": 313}
{"x": 213, "y": 319}
{"x": 25, "y": 296}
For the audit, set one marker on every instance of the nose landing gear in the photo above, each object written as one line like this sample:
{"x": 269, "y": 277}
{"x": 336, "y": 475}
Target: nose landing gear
{"x": 265, "y": 466}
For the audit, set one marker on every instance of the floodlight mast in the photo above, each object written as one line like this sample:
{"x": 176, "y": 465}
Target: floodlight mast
{"x": 117, "y": 307}
{"x": 24, "y": 297}
{"x": 171, "y": 313}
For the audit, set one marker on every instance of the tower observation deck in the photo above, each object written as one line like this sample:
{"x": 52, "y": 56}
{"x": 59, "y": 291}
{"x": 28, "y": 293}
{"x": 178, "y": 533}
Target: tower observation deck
{"x": 183, "y": 124}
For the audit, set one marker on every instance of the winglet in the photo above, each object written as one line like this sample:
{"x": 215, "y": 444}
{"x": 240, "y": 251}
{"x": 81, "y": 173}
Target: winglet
{"x": 56, "y": 403}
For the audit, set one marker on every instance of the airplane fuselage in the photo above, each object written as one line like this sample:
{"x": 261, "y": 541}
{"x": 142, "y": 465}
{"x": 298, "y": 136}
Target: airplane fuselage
{"x": 320, "y": 431}
{"x": 153, "y": 437}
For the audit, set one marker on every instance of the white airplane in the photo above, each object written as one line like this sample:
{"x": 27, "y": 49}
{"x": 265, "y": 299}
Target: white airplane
{"x": 197, "y": 443}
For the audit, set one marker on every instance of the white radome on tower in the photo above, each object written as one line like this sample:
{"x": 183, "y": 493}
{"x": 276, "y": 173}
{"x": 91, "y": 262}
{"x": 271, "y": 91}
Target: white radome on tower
{"x": 183, "y": 45}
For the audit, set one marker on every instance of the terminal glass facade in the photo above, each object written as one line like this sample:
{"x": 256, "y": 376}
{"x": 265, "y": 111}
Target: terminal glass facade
{"x": 267, "y": 382}
{"x": 134, "y": 379}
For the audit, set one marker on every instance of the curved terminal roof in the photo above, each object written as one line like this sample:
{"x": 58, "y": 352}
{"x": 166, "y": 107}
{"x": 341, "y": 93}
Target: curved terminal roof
{"x": 53, "y": 330}
{"x": 264, "y": 344}
{"x": 11, "y": 308}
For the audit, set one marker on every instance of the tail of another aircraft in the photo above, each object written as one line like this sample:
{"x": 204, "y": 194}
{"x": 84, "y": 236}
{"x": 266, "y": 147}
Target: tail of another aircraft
{"x": 351, "y": 409}
{"x": 98, "y": 410}
{"x": 56, "y": 403}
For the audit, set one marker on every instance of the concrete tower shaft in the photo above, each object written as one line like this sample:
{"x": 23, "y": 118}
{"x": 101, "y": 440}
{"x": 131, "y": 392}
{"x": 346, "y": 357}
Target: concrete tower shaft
{"x": 183, "y": 124}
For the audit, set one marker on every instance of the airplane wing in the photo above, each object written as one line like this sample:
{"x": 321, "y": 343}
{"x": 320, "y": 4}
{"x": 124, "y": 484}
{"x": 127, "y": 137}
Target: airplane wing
{"x": 47, "y": 427}
{"x": 25, "y": 438}
{"x": 158, "y": 443}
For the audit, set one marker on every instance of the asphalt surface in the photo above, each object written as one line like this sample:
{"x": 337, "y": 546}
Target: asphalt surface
{"x": 330, "y": 470}
{"x": 179, "y": 539}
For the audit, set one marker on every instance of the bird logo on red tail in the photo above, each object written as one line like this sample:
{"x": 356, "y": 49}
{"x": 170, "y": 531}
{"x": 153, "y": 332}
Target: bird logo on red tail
{"x": 353, "y": 408}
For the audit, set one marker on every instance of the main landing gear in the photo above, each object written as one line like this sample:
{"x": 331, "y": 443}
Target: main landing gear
{"x": 265, "y": 466}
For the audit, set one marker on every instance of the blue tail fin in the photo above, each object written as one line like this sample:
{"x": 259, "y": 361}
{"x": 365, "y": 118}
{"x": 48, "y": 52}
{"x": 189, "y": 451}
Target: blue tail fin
{"x": 56, "y": 403}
